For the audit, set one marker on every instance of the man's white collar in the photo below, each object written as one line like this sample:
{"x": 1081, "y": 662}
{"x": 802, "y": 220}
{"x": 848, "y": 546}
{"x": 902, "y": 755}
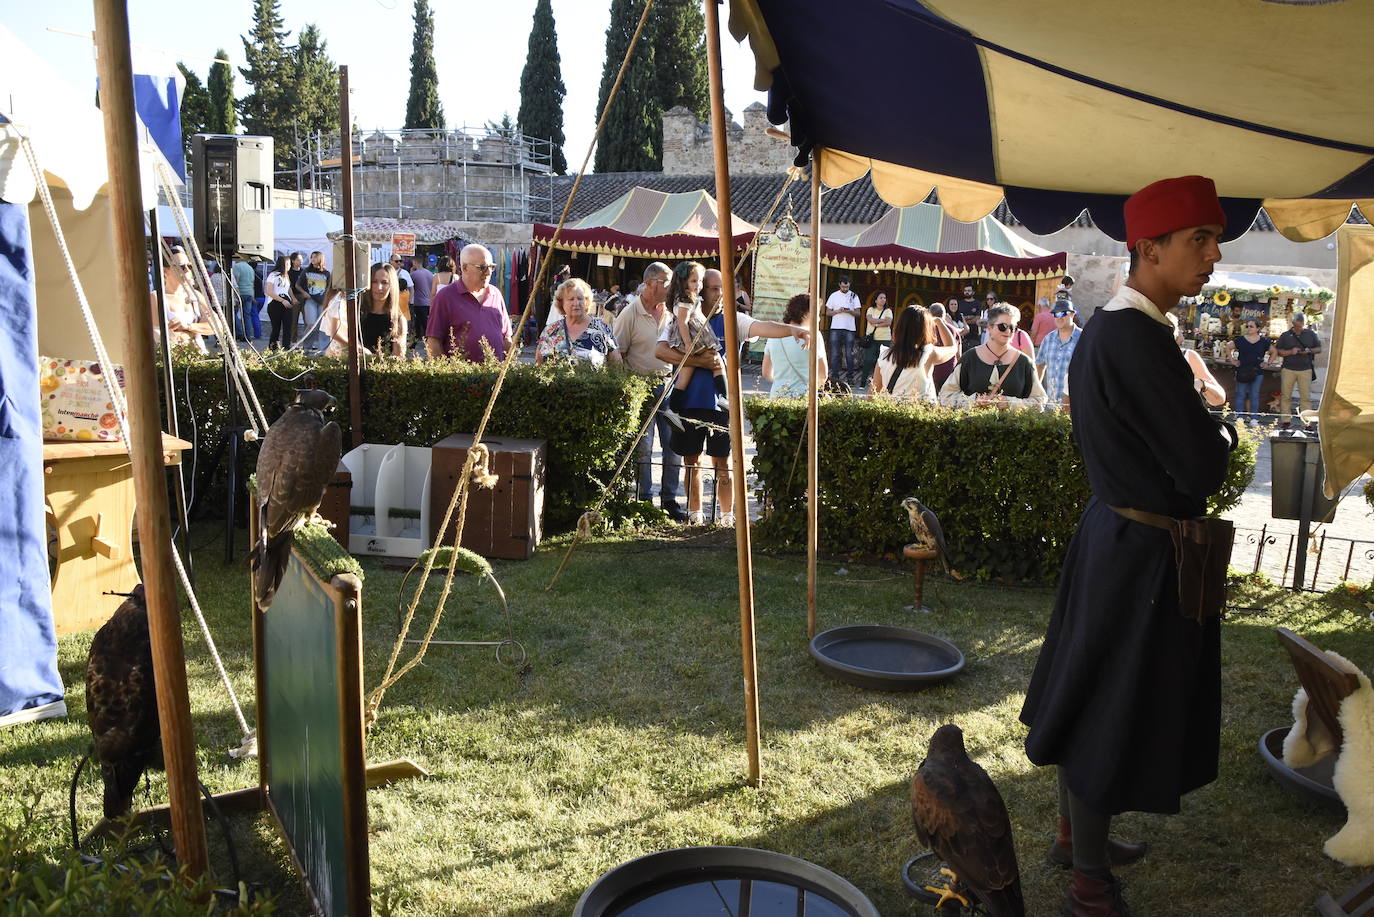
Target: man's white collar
{"x": 1131, "y": 298}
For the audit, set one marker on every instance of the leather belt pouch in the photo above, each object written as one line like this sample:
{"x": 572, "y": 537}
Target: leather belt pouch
{"x": 1202, "y": 551}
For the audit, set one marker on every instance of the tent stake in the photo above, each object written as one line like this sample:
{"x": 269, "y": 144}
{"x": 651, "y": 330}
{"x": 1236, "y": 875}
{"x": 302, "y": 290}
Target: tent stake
{"x": 813, "y": 438}
{"x": 727, "y": 305}
{"x": 145, "y": 434}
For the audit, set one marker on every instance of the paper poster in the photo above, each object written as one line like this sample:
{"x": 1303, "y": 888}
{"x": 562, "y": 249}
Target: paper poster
{"x": 782, "y": 269}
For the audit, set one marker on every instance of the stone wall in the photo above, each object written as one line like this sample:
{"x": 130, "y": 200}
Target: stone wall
{"x": 687, "y": 148}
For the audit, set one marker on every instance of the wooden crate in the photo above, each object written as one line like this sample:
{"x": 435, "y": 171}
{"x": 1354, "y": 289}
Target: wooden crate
{"x": 334, "y": 507}
{"x": 505, "y": 521}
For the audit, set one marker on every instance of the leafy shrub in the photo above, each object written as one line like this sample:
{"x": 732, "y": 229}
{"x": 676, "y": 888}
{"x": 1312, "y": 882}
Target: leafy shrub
{"x": 62, "y": 884}
{"x": 587, "y": 417}
{"x": 1008, "y": 486}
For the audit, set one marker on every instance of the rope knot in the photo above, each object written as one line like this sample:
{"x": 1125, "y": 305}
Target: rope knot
{"x": 479, "y": 466}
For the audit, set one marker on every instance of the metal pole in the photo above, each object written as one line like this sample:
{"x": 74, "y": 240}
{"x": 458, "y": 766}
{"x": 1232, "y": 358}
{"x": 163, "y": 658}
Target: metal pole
{"x": 1311, "y": 451}
{"x": 355, "y": 385}
{"x": 743, "y": 557}
{"x": 145, "y": 435}
{"x": 813, "y": 402}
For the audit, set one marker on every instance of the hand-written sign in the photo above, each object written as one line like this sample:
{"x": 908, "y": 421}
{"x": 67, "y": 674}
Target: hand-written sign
{"x": 782, "y": 269}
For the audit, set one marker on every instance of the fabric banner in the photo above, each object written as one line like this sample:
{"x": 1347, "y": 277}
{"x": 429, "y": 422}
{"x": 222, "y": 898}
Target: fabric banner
{"x": 28, "y": 645}
{"x": 782, "y": 269}
{"x": 1346, "y": 414}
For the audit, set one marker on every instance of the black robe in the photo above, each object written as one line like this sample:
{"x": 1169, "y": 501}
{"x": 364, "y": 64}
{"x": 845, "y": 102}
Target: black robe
{"x": 1126, "y": 693}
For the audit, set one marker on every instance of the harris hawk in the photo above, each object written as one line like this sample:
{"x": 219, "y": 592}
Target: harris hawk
{"x": 960, "y": 815}
{"x": 299, "y": 456}
{"x": 121, "y": 703}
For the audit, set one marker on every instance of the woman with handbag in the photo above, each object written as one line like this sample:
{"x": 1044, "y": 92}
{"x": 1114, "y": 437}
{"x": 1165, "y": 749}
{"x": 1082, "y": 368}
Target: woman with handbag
{"x": 1248, "y": 353}
{"x": 878, "y": 321}
{"x": 577, "y": 335}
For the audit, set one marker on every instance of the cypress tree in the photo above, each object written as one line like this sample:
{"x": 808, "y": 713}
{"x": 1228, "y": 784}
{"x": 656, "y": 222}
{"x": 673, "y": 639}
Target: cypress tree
{"x": 314, "y": 100}
{"x": 222, "y": 118}
{"x": 632, "y": 140}
{"x": 679, "y": 31}
{"x": 269, "y": 75}
{"x": 424, "y": 111}
{"x": 541, "y": 86}
{"x": 195, "y": 108}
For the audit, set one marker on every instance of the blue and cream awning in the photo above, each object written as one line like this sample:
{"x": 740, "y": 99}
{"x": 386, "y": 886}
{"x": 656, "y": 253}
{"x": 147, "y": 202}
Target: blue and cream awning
{"x": 1061, "y": 107}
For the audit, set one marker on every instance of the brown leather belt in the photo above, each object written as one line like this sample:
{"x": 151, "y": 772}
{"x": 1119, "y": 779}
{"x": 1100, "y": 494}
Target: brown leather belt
{"x": 1202, "y": 551}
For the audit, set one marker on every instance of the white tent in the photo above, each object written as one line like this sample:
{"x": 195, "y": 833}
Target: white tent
{"x": 293, "y": 230}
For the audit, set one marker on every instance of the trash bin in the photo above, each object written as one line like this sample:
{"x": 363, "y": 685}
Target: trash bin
{"x": 1289, "y": 453}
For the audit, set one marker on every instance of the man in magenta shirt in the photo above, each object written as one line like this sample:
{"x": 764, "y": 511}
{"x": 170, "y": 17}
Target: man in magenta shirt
{"x": 464, "y": 314}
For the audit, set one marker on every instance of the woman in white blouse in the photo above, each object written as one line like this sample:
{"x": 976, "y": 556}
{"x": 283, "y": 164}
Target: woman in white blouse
{"x": 904, "y": 369}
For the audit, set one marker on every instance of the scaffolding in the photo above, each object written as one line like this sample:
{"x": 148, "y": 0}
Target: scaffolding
{"x": 469, "y": 173}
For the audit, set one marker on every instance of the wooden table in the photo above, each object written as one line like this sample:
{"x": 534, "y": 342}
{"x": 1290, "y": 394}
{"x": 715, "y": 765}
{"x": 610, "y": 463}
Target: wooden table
{"x": 89, "y": 488}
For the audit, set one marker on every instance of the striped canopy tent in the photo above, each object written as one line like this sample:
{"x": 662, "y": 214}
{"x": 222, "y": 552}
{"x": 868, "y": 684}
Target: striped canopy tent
{"x": 923, "y": 239}
{"x": 649, "y": 224}
{"x": 1058, "y": 107}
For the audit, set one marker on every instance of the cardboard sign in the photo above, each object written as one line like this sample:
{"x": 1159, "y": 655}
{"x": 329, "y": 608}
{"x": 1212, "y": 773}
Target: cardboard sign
{"x": 403, "y": 243}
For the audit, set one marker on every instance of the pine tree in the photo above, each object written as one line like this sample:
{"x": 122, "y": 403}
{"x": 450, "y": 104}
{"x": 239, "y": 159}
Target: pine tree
{"x": 632, "y": 140}
{"x": 679, "y": 31}
{"x": 314, "y": 99}
{"x": 222, "y": 118}
{"x": 269, "y": 76}
{"x": 541, "y": 86}
{"x": 195, "y": 108}
{"x": 424, "y": 111}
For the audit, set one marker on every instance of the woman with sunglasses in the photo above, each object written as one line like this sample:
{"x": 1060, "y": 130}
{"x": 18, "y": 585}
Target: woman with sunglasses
{"x": 1248, "y": 352}
{"x": 904, "y": 369}
{"x": 995, "y": 374}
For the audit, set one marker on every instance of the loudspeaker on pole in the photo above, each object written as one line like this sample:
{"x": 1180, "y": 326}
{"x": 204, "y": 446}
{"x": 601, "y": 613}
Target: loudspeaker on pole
{"x": 231, "y": 193}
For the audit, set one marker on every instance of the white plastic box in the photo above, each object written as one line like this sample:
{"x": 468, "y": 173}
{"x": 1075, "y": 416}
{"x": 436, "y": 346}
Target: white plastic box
{"x": 393, "y": 480}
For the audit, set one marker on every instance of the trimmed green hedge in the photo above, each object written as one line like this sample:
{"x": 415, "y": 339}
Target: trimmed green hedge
{"x": 1008, "y": 486}
{"x": 588, "y": 417}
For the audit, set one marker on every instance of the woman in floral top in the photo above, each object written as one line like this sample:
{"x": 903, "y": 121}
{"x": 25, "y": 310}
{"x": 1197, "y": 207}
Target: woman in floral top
{"x": 578, "y": 335}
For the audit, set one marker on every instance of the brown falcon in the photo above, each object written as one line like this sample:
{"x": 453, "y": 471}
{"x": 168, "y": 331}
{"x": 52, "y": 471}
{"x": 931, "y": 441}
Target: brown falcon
{"x": 960, "y": 815}
{"x": 121, "y": 703}
{"x": 299, "y": 456}
{"x": 925, "y": 526}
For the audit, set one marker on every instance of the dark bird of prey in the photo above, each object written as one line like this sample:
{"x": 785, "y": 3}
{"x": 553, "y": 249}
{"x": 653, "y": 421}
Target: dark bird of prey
{"x": 121, "y": 703}
{"x": 960, "y": 815}
{"x": 925, "y": 526}
{"x": 299, "y": 456}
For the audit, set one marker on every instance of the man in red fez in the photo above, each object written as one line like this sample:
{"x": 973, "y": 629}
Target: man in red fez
{"x": 1125, "y": 699}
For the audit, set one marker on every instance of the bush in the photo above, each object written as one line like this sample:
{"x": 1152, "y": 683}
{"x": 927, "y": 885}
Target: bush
{"x": 587, "y": 417}
{"x": 65, "y": 885}
{"x": 1008, "y": 486}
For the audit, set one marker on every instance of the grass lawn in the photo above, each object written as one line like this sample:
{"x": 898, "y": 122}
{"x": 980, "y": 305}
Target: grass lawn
{"x": 626, "y": 737}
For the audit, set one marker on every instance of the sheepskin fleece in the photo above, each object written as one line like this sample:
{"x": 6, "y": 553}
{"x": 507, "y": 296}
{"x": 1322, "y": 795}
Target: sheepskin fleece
{"x": 1354, "y": 776}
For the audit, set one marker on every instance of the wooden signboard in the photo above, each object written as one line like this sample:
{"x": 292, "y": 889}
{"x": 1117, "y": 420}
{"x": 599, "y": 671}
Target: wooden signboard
{"x": 308, "y": 649}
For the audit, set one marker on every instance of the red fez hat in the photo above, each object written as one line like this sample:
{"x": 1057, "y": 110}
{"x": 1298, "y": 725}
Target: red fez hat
{"x": 1170, "y": 204}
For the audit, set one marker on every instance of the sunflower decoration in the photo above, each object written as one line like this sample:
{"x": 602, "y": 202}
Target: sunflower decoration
{"x": 1221, "y": 298}
{"x": 1275, "y": 292}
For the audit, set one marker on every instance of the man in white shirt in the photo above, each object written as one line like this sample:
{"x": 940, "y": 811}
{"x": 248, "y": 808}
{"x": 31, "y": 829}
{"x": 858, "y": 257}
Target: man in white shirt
{"x": 842, "y": 306}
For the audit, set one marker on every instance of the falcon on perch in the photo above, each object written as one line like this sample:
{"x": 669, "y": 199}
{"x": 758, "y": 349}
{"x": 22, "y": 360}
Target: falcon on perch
{"x": 121, "y": 703}
{"x": 925, "y": 527}
{"x": 299, "y": 456}
{"x": 960, "y": 815}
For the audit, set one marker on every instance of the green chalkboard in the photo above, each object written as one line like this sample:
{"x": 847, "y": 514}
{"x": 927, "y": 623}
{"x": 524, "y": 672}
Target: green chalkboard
{"x": 310, "y": 732}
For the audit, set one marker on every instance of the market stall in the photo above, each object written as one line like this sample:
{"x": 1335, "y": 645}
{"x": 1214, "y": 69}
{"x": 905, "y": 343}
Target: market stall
{"x": 1214, "y": 318}
{"x": 919, "y": 254}
{"x": 614, "y": 244}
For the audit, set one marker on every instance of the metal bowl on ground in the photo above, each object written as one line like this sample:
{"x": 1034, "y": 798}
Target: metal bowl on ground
{"x": 886, "y": 658}
{"x": 721, "y": 881}
{"x": 1313, "y": 783}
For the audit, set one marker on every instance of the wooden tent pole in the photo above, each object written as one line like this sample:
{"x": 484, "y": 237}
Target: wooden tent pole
{"x": 743, "y": 557}
{"x": 145, "y": 433}
{"x": 355, "y": 384}
{"x": 813, "y": 402}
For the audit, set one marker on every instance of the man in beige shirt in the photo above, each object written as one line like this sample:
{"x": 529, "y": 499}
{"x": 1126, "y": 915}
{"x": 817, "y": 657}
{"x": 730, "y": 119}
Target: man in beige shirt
{"x": 637, "y": 329}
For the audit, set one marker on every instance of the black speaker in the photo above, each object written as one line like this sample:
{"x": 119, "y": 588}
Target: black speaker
{"x": 231, "y": 192}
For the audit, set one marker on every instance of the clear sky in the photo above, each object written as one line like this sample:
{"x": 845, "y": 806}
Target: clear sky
{"x": 479, "y": 45}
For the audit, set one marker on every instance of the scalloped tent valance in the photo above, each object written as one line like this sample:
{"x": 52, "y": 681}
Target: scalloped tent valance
{"x": 1059, "y": 108}
{"x": 642, "y": 223}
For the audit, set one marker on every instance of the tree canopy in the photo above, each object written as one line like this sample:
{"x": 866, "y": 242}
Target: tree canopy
{"x": 541, "y": 86}
{"x": 195, "y": 108}
{"x": 424, "y": 111}
{"x": 222, "y": 118}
